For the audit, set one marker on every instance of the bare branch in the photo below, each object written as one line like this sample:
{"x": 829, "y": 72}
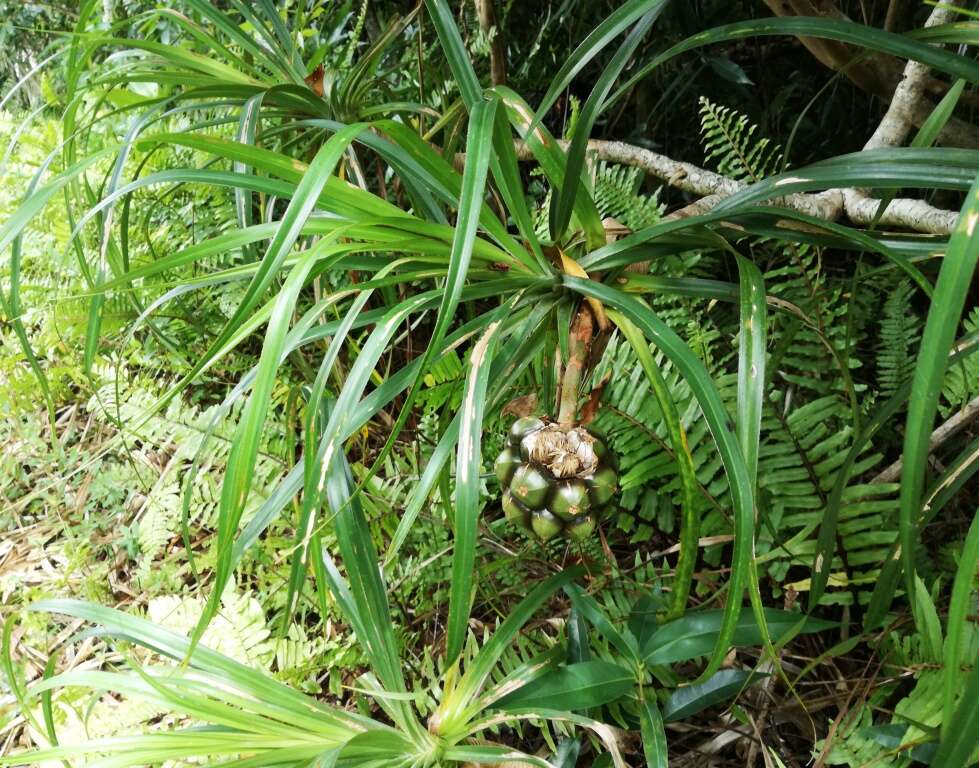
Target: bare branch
{"x": 944, "y": 432}
{"x": 898, "y": 121}
{"x": 894, "y": 129}
{"x": 915, "y": 215}
{"x": 906, "y": 110}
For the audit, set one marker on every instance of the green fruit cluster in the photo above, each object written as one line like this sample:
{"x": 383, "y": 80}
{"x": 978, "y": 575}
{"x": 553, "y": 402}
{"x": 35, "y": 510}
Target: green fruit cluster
{"x": 555, "y": 480}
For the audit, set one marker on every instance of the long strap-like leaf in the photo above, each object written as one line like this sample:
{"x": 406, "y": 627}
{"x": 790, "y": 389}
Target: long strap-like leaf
{"x": 468, "y": 470}
{"x": 719, "y": 422}
{"x": 951, "y": 290}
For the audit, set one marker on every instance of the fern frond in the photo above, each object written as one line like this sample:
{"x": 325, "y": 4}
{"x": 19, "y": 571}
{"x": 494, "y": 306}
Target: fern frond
{"x": 962, "y": 377}
{"x": 804, "y": 441}
{"x": 900, "y": 330}
{"x": 617, "y": 195}
{"x": 729, "y": 141}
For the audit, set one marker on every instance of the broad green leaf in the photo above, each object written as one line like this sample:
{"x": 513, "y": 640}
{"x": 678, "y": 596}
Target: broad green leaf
{"x": 695, "y": 634}
{"x": 720, "y": 687}
{"x": 653, "y": 733}
{"x": 576, "y": 687}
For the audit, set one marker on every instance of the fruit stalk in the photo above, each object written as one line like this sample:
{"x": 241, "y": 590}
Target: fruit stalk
{"x": 579, "y": 344}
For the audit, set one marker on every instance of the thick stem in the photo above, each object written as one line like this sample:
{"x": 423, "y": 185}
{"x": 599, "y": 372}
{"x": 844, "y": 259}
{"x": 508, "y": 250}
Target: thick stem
{"x": 488, "y": 26}
{"x": 579, "y": 344}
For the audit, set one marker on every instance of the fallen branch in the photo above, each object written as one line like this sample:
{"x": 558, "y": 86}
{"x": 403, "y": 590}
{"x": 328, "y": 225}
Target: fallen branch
{"x": 903, "y": 213}
{"x": 943, "y": 433}
{"x": 895, "y": 127}
{"x": 904, "y": 112}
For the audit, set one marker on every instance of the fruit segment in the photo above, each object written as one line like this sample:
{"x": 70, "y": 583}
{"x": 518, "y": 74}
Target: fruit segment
{"x": 556, "y": 481}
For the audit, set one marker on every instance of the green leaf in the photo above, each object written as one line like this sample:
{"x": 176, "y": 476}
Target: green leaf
{"x": 929, "y": 131}
{"x": 951, "y": 290}
{"x": 675, "y": 235}
{"x": 489, "y": 754}
{"x": 642, "y": 619}
{"x": 695, "y": 634}
{"x": 653, "y": 733}
{"x": 753, "y": 330}
{"x": 820, "y": 27}
{"x": 455, "y": 52}
{"x": 366, "y": 601}
{"x": 249, "y": 681}
{"x": 552, "y": 161}
{"x": 244, "y": 450}
{"x": 468, "y": 484}
{"x": 578, "y": 647}
{"x": 563, "y": 203}
{"x": 826, "y": 542}
{"x": 958, "y": 618}
{"x": 589, "y": 609}
{"x": 454, "y": 709}
{"x": 931, "y": 627}
{"x": 696, "y": 374}
{"x": 959, "y": 736}
{"x": 576, "y": 687}
{"x": 478, "y": 150}
{"x": 610, "y": 28}
{"x": 721, "y": 686}
{"x": 567, "y": 753}
{"x": 751, "y": 362}
{"x": 729, "y": 70}
{"x": 690, "y": 518}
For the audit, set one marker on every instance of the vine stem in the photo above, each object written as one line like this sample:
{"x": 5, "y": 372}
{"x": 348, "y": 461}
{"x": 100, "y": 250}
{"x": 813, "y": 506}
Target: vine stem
{"x": 579, "y": 345}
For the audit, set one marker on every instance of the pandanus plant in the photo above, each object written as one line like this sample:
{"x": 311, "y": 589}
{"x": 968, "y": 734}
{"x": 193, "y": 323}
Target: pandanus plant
{"x": 240, "y": 99}
{"x": 558, "y": 476}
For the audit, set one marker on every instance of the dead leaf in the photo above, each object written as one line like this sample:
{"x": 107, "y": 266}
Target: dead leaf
{"x": 315, "y": 80}
{"x": 521, "y": 406}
